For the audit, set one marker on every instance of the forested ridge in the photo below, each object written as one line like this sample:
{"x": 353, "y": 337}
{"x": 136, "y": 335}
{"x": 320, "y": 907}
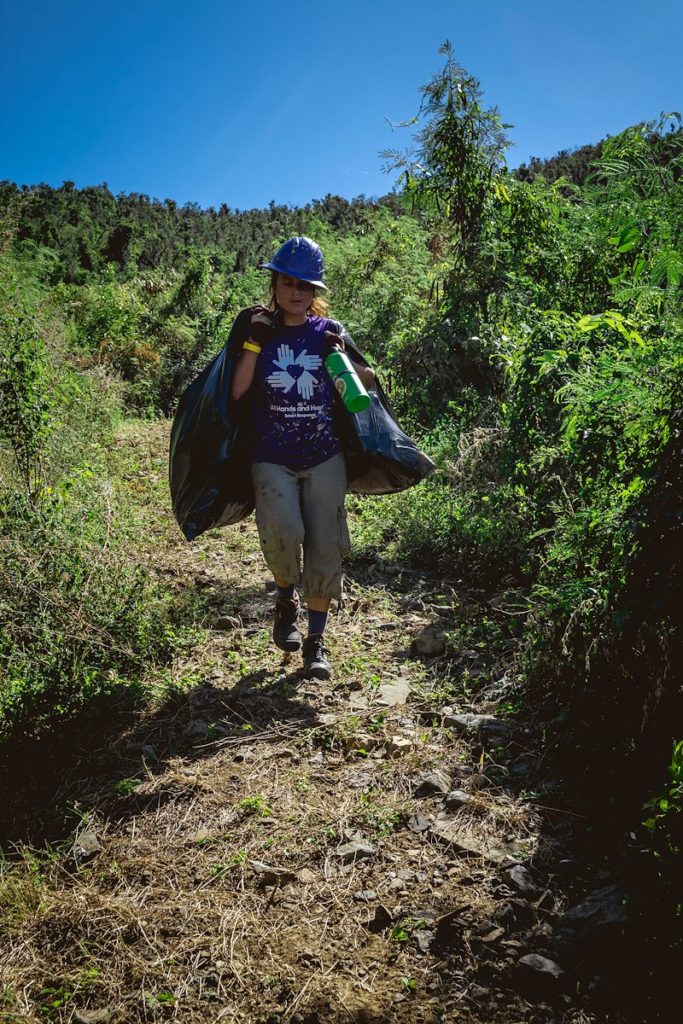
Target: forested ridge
{"x": 529, "y": 328}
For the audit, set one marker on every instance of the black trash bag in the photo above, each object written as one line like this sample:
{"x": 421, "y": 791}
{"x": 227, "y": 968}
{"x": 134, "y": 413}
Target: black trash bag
{"x": 380, "y": 457}
{"x": 209, "y": 471}
{"x": 210, "y": 465}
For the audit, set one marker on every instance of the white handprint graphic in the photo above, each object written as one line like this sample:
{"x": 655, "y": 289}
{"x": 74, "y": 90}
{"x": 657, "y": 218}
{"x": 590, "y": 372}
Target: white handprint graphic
{"x": 308, "y": 362}
{"x": 285, "y": 357}
{"x": 281, "y": 379}
{"x": 305, "y": 384}
{"x": 284, "y": 380}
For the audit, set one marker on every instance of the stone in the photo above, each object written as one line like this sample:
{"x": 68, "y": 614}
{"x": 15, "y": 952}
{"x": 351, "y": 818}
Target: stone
{"x": 591, "y": 923}
{"x": 521, "y": 880}
{"x": 478, "y": 725}
{"x": 477, "y": 781}
{"x": 429, "y": 643}
{"x": 359, "y": 850}
{"x": 539, "y": 970}
{"x": 602, "y": 908}
{"x": 92, "y": 1016}
{"x": 270, "y": 874}
{"x": 365, "y": 896}
{"x": 227, "y": 623}
{"x": 306, "y": 876}
{"x": 197, "y": 730}
{"x": 361, "y": 741}
{"x": 449, "y": 930}
{"x": 515, "y": 914}
{"x": 479, "y": 992}
{"x": 457, "y": 798}
{"x": 393, "y": 693}
{"x": 495, "y": 852}
{"x": 435, "y": 782}
{"x": 418, "y": 823}
{"x": 424, "y": 938}
{"x": 86, "y": 847}
{"x": 398, "y": 745}
{"x": 407, "y": 874}
{"x": 491, "y": 936}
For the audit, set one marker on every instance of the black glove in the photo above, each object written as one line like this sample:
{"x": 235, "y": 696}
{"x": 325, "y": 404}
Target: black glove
{"x": 261, "y": 324}
{"x": 332, "y": 341}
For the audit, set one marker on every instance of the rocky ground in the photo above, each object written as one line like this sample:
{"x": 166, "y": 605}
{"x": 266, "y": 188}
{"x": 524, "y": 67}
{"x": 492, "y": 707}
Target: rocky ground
{"x": 254, "y": 847}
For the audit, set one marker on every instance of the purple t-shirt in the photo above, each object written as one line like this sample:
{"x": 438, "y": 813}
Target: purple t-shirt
{"x": 293, "y": 399}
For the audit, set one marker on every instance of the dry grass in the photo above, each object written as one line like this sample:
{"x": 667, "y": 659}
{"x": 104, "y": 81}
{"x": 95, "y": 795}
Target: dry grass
{"x": 218, "y": 893}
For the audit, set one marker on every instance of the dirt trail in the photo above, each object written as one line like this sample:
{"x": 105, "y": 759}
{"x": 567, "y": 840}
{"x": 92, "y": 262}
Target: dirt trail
{"x": 255, "y": 847}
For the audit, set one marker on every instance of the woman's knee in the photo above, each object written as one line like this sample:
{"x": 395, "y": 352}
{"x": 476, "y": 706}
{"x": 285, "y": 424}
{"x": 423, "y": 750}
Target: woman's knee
{"x": 280, "y": 533}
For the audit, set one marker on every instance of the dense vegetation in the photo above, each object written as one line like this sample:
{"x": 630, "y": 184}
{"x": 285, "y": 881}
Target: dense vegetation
{"x": 531, "y": 330}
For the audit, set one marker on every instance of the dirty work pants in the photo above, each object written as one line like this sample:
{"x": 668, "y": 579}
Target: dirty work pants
{"x": 298, "y": 508}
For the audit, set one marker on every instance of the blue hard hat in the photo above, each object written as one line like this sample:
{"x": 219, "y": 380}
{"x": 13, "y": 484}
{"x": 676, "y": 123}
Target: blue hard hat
{"x": 299, "y": 257}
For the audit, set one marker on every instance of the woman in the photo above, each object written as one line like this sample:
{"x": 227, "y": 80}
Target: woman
{"x": 298, "y": 466}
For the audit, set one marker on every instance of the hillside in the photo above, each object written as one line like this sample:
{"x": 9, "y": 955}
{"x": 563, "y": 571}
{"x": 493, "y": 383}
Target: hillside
{"x": 530, "y": 335}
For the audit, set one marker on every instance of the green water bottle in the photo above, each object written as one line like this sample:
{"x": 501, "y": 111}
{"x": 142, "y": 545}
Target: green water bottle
{"x": 346, "y": 381}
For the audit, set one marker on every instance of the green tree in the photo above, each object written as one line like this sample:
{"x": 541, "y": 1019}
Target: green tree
{"x": 459, "y": 147}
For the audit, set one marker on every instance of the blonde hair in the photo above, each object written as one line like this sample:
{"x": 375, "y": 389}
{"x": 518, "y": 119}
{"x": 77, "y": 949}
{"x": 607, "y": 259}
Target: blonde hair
{"x": 318, "y": 306}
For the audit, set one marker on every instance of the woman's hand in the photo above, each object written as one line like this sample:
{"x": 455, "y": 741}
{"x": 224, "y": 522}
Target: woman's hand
{"x": 335, "y": 341}
{"x": 261, "y": 324}
{"x": 332, "y": 341}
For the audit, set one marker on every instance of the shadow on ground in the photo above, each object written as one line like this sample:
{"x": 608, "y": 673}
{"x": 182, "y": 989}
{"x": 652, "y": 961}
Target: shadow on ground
{"x": 49, "y": 782}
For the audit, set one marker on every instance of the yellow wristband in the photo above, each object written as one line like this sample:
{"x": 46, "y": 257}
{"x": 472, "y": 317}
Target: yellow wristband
{"x": 251, "y": 347}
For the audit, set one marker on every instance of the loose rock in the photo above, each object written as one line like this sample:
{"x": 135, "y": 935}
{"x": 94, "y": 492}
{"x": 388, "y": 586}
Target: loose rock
{"x": 398, "y": 745}
{"x": 418, "y": 823}
{"x": 365, "y": 896}
{"x": 515, "y": 914}
{"x": 361, "y": 741}
{"x": 198, "y": 730}
{"x": 350, "y": 852}
{"x": 457, "y": 798}
{"x": 449, "y": 930}
{"x": 522, "y": 881}
{"x": 227, "y": 623}
{"x": 539, "y": 973}
{"x": 477, "y": 725}
{"x": 424, "y": 938}
{"x": 86, "y": 847}
{"x": 430, "y": 643}
{"x": 449, "y": 832}
{"x": 589, "y": 923}
{"x": 271, "y": 874}
{"x": 393, "y": 693}
{"x": 92, "y": 1016}
{"x": 431, "y": 783}
{"x": 491, "y": 936}
{"x": 602, "y": 909}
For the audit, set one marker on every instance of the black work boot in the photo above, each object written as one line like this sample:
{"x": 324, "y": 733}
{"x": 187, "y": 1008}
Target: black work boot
{"x": 316, "y": 665}
{"x": 285, "y": 632}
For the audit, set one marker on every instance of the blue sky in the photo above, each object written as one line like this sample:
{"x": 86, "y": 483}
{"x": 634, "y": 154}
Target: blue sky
{"x": 213, "y": 102}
